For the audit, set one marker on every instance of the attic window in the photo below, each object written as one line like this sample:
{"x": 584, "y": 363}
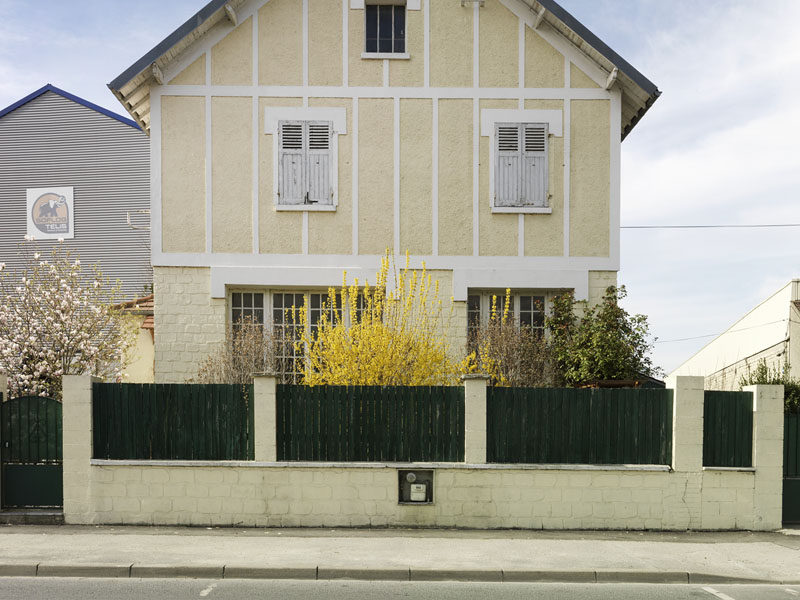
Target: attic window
{"x": 385, "y": 28}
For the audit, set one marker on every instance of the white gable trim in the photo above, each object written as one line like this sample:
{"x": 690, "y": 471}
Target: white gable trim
{"x": 490, "y": 116}
{"x": 410, "y": 4}
{"x": 586, "y": 64}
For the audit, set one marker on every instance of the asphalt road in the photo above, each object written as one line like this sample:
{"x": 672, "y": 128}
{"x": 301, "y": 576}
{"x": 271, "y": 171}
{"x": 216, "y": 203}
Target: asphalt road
{"x": 30, "y": 588}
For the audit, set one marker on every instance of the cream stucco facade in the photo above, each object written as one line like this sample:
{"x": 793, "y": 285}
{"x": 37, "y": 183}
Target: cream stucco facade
{"x": 413, "y": 159}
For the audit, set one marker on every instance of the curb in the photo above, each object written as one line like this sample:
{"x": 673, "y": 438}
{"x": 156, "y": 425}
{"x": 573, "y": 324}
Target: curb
{"x": 143, "y": 571}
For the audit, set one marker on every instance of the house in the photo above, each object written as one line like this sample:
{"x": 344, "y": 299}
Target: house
{"x": 769, "y": 332}
{"x": 293, "y": 140}
{"x": 56, "y": 148}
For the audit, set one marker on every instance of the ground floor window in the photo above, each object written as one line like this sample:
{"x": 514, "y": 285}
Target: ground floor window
{"x": 284, "y": 318}
{"x": 525, "y": 309}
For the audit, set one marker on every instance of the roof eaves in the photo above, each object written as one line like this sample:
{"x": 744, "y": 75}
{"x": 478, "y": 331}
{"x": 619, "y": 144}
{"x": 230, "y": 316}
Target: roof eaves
{"x": 68, "y": 96}
{"x": 162, "y": 47}
{"x": 599, "y": 45}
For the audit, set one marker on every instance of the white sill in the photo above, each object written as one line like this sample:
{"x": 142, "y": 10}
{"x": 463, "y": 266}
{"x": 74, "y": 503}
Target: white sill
{"x": 386, "y": 55}
{"x": 305, "y": 207}
{"x": 528, "y": 210}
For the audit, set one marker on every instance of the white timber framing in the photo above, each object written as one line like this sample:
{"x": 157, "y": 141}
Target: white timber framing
{"x": 472, "y": 271}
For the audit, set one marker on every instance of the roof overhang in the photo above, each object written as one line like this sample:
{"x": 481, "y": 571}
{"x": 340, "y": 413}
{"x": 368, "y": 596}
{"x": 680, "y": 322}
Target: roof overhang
{"x": 132, "y": 87}
{"x": 638, "y": 92}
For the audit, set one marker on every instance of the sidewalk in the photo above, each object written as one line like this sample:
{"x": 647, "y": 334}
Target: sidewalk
{"x": 416, "y": 555}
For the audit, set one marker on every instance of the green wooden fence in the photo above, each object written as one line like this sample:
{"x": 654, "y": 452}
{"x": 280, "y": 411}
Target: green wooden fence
{"x": 791, "y": 445}
{"x": 579, "y": 426}
{"x": 728, "y": 429}
{"x": 31, "y": 454}
{"x": 31, "y": 430}
{"x": 173, "y": 421}
{"x": 392, "y": 424}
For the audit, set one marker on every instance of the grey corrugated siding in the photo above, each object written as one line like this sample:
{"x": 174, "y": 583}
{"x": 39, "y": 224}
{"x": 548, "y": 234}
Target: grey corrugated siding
{"x": 52, "y": 141}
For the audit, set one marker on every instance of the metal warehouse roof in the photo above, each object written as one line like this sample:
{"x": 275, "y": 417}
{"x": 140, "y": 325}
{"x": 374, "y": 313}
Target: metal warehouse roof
{"x": 68, "y": 96}
{"x": 132, "y": 86}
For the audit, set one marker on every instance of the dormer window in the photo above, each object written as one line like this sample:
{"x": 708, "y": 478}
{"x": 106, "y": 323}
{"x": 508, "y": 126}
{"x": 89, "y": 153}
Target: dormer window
{"x": 385, "y": 28}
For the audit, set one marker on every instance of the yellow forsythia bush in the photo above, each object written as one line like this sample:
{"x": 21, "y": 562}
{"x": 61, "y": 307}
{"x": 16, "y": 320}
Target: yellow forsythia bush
{"x": 392, "y": 333}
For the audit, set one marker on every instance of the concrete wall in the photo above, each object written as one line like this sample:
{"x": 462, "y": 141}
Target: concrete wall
{"x": 679, "y": 496}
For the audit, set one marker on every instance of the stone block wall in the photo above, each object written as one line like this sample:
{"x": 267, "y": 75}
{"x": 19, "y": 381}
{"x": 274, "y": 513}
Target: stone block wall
{"x": 189, "y": 323}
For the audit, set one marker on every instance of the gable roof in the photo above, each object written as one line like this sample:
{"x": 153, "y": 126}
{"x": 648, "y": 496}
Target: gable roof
{"x": 132, "y": 86}
{"x": 68, "y": 96}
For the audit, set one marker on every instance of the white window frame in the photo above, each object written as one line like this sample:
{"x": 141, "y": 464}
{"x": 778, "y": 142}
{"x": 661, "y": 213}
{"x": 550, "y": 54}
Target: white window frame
{"x": 337, "y": 117}
{"x": 361, "y": 5}
{"x": 486, "y": 303}
{"x": 490, "y": 118}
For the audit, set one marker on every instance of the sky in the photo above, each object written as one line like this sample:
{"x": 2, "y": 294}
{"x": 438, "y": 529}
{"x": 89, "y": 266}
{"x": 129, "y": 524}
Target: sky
{"x": 720, "y": 147}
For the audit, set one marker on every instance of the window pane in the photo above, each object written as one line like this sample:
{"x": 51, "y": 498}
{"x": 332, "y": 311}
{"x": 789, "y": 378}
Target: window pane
{"x": 399, "y": 28}
{"x": 247, "y": 300}
{"x": 525, "y": 303}
{"x": 258, "y": 301}
{"x": 372, "y": 23}
{"x": 385, "y": 28}
{"x": 237, "y": 300}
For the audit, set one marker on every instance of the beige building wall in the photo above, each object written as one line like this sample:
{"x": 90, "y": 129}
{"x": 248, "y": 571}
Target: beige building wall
{"x": 141, "y": 367}
{"x": 414, "y": 166}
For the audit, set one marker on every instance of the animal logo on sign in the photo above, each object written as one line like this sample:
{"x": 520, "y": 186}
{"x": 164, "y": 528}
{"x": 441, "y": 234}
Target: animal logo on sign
{"x": 50, "y": 214}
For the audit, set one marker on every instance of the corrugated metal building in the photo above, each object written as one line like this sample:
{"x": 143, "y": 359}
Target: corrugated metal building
{"x": 54, "y": 139}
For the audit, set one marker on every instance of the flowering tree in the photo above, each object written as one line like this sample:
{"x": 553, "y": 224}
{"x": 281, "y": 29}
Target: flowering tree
{"x": 380, "y": 336}
{"x": 57, "y": 320}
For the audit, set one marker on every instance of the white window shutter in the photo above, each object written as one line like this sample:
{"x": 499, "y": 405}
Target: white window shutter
{"x": 508, "y": 158}
{"x": 534, "y": 165}
{"x": 319, "y": 162}
{"x": 291, "y": 148}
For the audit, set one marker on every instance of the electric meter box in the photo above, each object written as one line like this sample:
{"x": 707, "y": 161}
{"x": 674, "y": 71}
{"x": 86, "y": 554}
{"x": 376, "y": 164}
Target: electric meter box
{"x": 415, "y": 486}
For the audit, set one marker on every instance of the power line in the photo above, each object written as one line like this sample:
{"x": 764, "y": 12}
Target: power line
{"x": 709, "y": 226}
{"x": 698, "y": 337}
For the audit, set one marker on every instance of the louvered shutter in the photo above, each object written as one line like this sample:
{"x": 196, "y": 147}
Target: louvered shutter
{"x": 534, "y": 165}
{"x": 319, "y": 162}
{"x": 507, "y": 165}
{"x": 291, "y": 146}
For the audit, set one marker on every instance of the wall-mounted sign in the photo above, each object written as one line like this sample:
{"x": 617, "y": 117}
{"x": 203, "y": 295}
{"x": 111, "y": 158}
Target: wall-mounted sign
{"x": 50, "y": 213}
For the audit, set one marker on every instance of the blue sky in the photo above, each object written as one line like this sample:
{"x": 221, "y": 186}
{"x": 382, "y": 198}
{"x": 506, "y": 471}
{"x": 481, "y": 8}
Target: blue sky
{"x": 719, "y": 147}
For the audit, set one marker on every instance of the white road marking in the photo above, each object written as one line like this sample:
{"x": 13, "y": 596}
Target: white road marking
{"x": 719, "y": 595}
{"x": 208, "y": 590}
{"x": 792, "y": 592}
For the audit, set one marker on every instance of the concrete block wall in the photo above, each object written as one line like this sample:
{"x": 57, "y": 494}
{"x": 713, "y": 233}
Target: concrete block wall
{"x": 473, "y": 494}
{"x": 189, "y": 323}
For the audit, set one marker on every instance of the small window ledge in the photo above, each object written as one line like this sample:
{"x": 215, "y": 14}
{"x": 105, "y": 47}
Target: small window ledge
{"x": 386, "y": 55}
{"x": 528, "y": 210}
{"x": 731, "y": 469}
{"x": 305, "y": 207}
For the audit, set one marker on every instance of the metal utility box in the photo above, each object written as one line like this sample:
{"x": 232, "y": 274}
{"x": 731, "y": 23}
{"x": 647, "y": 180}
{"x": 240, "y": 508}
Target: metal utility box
{"x": 415, "y": 486}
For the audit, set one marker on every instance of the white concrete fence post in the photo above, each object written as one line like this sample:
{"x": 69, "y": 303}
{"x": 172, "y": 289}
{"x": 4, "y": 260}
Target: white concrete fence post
{"x": 475, "y": 418}
{"x": 77, "y": 447}
{"x": 687, "y": 449}
{"x": 687, "y": 423}
{"x": 265, "y": 419}
{"x": 767, "y": 456}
